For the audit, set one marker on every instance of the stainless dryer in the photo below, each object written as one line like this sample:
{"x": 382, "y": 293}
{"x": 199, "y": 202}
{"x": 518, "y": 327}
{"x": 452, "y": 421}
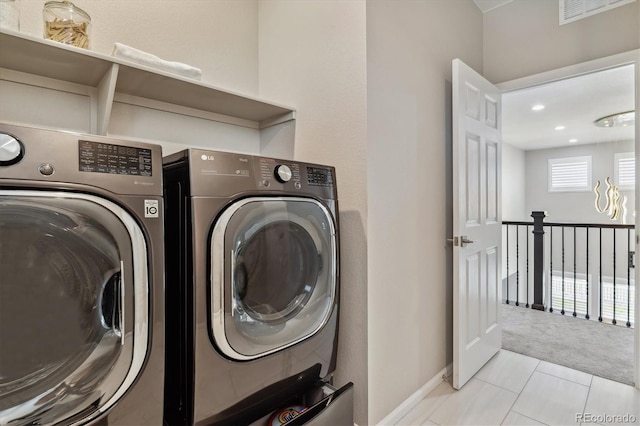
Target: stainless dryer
{"x": 81, "y": 279}
{"x": 252, "y": 286}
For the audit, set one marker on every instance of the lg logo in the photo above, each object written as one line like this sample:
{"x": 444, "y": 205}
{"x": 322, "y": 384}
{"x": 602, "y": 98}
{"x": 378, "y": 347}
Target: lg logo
{"x": 206, "y": 157}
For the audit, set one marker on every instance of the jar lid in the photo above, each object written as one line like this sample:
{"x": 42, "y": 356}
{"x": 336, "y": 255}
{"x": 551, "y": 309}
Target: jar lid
{"x": 69, "y": 6}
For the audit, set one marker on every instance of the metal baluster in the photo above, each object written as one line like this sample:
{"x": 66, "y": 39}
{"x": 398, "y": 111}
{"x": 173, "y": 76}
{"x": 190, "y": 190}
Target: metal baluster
{"x": 574, "y": 272}
{"x": 587, "y": 273}
{"x": 527, "y": 232}
{"x": 551, "y": 268}
{"x": 628, "y": 277}
{"x": 562, "y": 311}
{"x": 517, "y": 265}
{"x": 507, "y": 301}
{"x": 613, "y": 321}
{"x": 600, "y": 283}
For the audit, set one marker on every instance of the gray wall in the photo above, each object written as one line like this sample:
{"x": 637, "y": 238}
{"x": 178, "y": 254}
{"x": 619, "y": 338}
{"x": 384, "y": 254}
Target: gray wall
{"x": 523, "y": 38}
{"x": 513, "y": 184}
{"x": 573, "y": 206}
{"x": 410, "y": 46}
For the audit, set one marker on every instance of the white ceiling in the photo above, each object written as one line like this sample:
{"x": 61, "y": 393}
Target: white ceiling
{"x": 574, "y": 103}
{"x": 487, "y": 5}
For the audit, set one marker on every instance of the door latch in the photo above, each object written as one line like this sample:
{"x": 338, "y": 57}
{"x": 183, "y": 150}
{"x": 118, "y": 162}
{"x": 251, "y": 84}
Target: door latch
{"x": 460, "y": 241}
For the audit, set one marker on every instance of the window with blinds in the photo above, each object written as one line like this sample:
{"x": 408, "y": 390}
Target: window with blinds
{"x": 625, "y": 170}
{"x": 572, "y": 174}
{"x": 573, "y": 10}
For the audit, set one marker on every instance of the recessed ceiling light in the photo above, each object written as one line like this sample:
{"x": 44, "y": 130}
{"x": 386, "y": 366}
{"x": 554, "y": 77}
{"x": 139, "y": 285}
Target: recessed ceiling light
{"x": 573, "y": 140}
{"x": 537, "y": 107}
{"x": 560, "y": 127}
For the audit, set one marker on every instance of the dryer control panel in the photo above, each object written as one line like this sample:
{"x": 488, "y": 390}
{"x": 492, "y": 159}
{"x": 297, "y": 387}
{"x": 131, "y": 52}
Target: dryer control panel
{"x": 319, "y": 176}
{"x": 271, "y": 168}
{"x": 218, "y": 174}
{"x": 285, "y": 175}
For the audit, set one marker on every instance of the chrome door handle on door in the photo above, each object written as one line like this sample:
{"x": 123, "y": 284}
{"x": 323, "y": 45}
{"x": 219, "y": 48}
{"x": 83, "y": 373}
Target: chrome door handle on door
{"x": 459, "y": 241}
{"x": 464, "y": 240}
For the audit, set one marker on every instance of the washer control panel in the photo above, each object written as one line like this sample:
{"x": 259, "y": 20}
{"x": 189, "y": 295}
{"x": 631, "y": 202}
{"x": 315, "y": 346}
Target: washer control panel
{"x": 114, "y": 159}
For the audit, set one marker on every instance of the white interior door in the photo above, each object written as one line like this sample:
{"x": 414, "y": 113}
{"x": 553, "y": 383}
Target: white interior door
{"x": 477, "y": 151}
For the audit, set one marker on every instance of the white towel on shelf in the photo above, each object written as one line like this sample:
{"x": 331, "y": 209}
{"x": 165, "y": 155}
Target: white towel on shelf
{"x": 129, "y": 53}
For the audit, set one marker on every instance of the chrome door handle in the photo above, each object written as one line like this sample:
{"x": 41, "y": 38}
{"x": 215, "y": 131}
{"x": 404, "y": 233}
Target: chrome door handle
{"x": 464, "y": 240}
{"x": 459, "y": 241}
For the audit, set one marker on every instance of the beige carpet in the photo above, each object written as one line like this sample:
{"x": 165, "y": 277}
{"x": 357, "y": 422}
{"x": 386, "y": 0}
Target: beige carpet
{"x": 600, "y": 349}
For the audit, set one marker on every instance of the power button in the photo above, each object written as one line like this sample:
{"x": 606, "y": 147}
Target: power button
{"x": 46, "y": 169}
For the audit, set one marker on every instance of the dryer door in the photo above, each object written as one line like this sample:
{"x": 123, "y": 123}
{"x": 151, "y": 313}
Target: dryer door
{"x": 74, "y": 296}
{"x": 273, "y": 274}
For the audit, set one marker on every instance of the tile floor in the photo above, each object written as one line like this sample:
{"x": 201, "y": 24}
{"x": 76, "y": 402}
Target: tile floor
{"x": 514, "y": 389}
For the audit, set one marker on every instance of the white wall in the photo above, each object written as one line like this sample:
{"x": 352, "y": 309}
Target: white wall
{"x": 513, "y": 206}
{"x": 574, "y": 206}
{"x": 410, "y": 46}
{"x": 312, "y": 55}
{"x": 220, "y": 37}
{"x": 513, "y": 184}
{"x": 523, "y": 37}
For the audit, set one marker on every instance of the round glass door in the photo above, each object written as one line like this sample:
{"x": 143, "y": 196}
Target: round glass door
{"x": 274, "y": 266}
{"x": 67, "y": 305}
{"x": 275, "y": 272}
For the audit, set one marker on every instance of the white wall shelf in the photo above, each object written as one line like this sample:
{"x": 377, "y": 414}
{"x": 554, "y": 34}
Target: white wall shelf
{"x": 115, "y": 80}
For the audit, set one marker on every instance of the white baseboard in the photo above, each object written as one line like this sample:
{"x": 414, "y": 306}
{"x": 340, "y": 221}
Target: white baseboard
{"x": 408, "y": 404}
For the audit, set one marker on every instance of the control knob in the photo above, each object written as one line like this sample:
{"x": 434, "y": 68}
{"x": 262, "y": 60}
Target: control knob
{"x": 11, "y": 150}
{"x": 283, "y": 173}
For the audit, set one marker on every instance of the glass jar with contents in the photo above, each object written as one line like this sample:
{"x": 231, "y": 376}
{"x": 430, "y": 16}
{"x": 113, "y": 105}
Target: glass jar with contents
{"x": 67, "y": 23}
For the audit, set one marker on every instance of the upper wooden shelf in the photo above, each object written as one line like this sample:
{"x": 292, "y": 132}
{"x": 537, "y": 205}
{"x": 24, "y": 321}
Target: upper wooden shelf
{"x": 25, "y": 53}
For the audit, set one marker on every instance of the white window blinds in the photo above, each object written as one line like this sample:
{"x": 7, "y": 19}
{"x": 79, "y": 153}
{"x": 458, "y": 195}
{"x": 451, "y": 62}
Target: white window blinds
{"x": 572, "y": 174}
{"x": 572, "y": 10}
{"x": 625, "y": 170}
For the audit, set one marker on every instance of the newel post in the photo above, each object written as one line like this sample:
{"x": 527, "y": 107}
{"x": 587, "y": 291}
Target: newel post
{"x": 538, "y": 260}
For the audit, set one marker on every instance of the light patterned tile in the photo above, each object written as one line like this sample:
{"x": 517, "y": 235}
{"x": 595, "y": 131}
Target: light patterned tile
{"x": 609, "y": 398}
{"x": 551, "y": 400}
{"x": 508, "y": 370}
{"x": 426, "y": 422}
{"x": 517, "y": 419}
{"x": 477, "y": 403}
{"x": 565, "y": 373}
{"x": 427, "y": 406}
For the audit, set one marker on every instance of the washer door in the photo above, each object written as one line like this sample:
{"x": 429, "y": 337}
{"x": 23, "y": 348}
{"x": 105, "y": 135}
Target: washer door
{"x": 273, "y": 274}
{"x": 74, "y": 295}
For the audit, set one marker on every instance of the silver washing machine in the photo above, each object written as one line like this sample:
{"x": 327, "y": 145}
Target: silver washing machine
{"x": 81, "y": 279}
{"x": 252, "y": 288}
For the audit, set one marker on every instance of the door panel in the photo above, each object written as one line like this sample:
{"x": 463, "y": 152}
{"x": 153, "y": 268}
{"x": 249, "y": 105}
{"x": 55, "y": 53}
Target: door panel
{"x": 476, "y": 221}
{"x": 472, "y": 296}
{"x": 472, "y": 199}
